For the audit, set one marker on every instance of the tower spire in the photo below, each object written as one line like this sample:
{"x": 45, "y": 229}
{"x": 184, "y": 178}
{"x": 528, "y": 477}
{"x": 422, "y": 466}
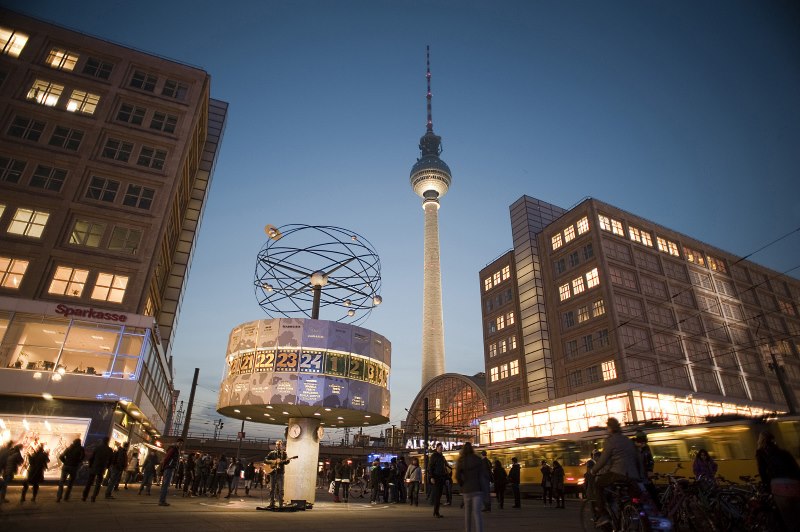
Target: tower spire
{"x": 428, "y": 76}
{"x": 430, "y": 143}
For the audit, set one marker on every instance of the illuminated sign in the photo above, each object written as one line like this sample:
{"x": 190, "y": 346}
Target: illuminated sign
{"x": 68, "y": 311}
{"x": 419, "y": 443}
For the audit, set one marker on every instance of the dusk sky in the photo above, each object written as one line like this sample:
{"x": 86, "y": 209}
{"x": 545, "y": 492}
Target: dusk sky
{"x": 686, "y": 113}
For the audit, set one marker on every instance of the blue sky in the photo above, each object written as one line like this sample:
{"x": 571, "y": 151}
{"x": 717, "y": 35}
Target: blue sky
{"x": 686, "y": 113}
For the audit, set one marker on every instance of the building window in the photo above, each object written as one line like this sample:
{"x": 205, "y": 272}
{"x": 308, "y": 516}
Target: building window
{"x": 131, "y": 114}
{"x": 583, "y": 314}
{"x": 503, "y": 371}
{"x": 609, "y": 370}
{"x": 602, "y": 338}
{"x": 496, "y": 278}
{"x": 45, "y": 92}
{"x": 578, "y": 286}
{"x": 117, "y": 150}
{"x": 164, "y": 122}
{"x": 506, "y": 272}
{"x": 86, "y": 233}
{"x": 512, "y": 342}
{"x": 12, "y": 271}
{"x": 560, "y": 266}
{"x": 501, "y": 322}
{"x": 563, "y": 292}
{"x": 605, "y": 222}
{"x": 502, "y": 345}
{"x": 624, "y": 278}
{"x": 492, "y": 350}
{"x": 125, "y": 240}
{"x": 588, "y": 252}
{"x": 716, "y": 264}
{"x": 102, "y": 189}
{"x": 153, "y": 158}
{"x": 64, "y": 137}
{"x": 693, "y": 256}
{"x": 48, "y": 178}
{"x": 569, "y": 233}
{"x": 494, "y": 374}
{"x": 62, "y": 59}
{"x": 556, "y": 241}
{"x": 28, "y": 222}
{"x": 97, "y": 68}
{"x": 26, "y": 128}
{"x": 583, "y": 225}
{"x": 11, "y": 169}
{"x": 574, "y": 260}
{"x": 12, "y": 42}
{"x": 571, "y": 349}
{"x": 83, "y": 102}
{"x": 667, "y": 246}
{"x": 139, "y": 197}
{"x": 575, "y": 378}
{"x": 598, "y": 308}
{"x": 68, "y": 281}
{"x": 144, "y": 81}
{"x": 640, "y": 235}
{"x": 569, "y": 319}
{"x": 174, "y": 89}
{"x": 510, "y": 318}
{"x": 487, "y": 284}
{"x": 592, "y": 374}
{"x": 110, "y": 287}
{"x": 592, "y": 278}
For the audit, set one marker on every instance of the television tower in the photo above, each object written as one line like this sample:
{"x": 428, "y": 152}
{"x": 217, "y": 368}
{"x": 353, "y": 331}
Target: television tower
{"x": 430, "y": 179}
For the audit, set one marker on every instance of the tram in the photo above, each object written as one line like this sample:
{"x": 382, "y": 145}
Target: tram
{"x": 730, "y": 442}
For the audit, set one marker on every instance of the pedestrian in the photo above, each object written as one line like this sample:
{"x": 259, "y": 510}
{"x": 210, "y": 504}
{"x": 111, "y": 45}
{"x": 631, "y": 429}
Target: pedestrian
{"x": 188, "y": 479}
{"x": 437, "y": 472}
{"x": 119, "y": 463}
{"x": 220, "y": 476}
{"x": 98, "y": 463}
{"x": 233, "y": 482}
{"x": 487, "y": 499}
{"x": 168, "y": 466}
{"x": 513, "y": 480}
{"x": 472, "y": 476}
{"x": 249, "y": 476}
{"x": 500, "y": 480}
{"x": 413, "y": 480}
{"x": 5, "y": 452}
{"x": 132, "y": 471}
{"x": 704, "y": 467}
{"x": 547, "y": 483}
{"x": 780, "y": 476}
{"x": 375, "y": 481}
{"x": 148, "y": 472}
{"x": 71, "y": 460}
{"x": 558, "y": 483}
{"x": 402, "y": 467}
{"x": 37, "y": 463}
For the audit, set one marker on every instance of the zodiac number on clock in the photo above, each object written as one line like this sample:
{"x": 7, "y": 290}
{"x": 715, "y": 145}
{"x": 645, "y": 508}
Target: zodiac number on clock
{"x": 264, "y": 361}
{"x": 286, "y": 361}
{"x": 246, "y": 364}
{"x": 311, "y": 363}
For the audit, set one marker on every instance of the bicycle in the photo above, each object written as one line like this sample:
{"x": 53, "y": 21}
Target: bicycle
{"x": 627, "y": 513}
{"x": 358, "y": 488}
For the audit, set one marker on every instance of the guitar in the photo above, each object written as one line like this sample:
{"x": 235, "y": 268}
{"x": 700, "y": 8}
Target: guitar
{"x": 276, "y": 463}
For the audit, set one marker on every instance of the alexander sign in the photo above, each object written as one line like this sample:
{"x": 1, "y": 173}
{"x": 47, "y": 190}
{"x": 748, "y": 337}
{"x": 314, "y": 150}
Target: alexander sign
{"x": 68, "y": 311}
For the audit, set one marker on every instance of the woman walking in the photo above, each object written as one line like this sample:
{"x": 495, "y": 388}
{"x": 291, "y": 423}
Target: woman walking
{"x": 472, "y": 476}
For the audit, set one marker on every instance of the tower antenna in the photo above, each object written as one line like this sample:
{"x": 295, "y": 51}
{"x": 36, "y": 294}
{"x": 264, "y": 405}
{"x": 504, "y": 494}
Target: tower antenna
{"x": 428, "y": 76}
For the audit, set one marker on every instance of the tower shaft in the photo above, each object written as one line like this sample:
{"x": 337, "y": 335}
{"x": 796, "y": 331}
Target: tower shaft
{"x": 432, "y": 320}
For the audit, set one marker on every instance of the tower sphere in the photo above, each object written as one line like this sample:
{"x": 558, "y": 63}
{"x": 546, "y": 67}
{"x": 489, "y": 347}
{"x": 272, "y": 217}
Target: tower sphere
{"x": 430, "y": 177}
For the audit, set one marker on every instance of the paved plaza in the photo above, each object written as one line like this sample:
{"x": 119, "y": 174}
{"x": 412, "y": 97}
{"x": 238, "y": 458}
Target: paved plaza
{"x": 131, "y": 512}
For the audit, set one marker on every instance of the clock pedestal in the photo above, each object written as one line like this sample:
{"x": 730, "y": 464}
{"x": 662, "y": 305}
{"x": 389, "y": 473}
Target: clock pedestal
{"x": 300, "y": 479}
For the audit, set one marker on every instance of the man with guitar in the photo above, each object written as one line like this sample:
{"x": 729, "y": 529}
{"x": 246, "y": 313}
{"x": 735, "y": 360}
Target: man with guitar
{"x": 277, "y": 459}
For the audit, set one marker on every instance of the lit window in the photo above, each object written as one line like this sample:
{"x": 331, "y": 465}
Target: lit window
{"x": 164, "y": 122}
{"x": 503, "y": 371}
{"x": 583, "y": 225}
{"x": 598, "y": 308}
{"x": 510, "y": 318}
{"x": 556, "y": 240}
{"x": 144, "y": 81}
{"x": 578, "y": 286}
{"x": 28, "y": 222}
{"x": 693, "y": 256}
{"x": 12, "y": 42}
{"x": 83, "y": 102}
{"x": 609, "y": 370}
{"x": 131, "y": 114}
{"x": 503, "y": 345}
{"x": 64, "y": 137}
{"x": 492, "y": 350}
{"x": 117, "y": 150}
{"x": 86, "y": 233}
{"x": 563, "y": 291}
{"x": 647, "y": 240}
{"x": 110, "y": 287}
{"x": 506, "y": 272}
{"x": 493, "y": 374}
{"x": 174, "y": 89}
{"x": 716, "y": 264}
{"x": 12, "y": 271}
{"x": 45, "y": 92}
{"x": 68, "y": 281}
{"x": 634, "y": 234}
{"x": 11, "y": 169}
{"x": 496, "y": 278}
{"x": 583, "y": 314}
{"x": 512, "y": 341}
{"x": 605, "y": 223}
{"x": 616, "y": 228}
{"x": 513, "y": 367}
{"x": 501, "y": 322}
{"x": 62, "y": 59}
{"x": 97, "y": 68}
{"x": 668, "y": 246}
{"x": 592, "y": 278}
{"x": 26, "y": 128}
{"x": 569, "y": 233}
{"x": 48, "y": 178}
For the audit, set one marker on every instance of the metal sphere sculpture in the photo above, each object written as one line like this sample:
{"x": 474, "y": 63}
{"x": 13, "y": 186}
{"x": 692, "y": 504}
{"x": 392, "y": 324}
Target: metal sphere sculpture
{"x": 303, "y": 268}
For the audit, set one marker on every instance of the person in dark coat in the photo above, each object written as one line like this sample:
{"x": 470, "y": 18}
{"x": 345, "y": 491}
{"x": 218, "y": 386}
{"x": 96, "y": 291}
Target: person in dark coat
{"x": 472, "y": 476}
{"x": 437, "y": 471}
{"x": 375, "y": 481}
{"x": 558, "y": 483}
{"x": 547, "y": 483}
{"x": 500, "y": 479}
{"x": 37, "y": 463}
{"x": 119, "y": 463}
{"x": 780, "y": 475}
{"x": 10, "y": 460}
{"x": 98, "y": 463}
{"x": 514, "y": 480}
{"x": 71, "y": 460}
{"x": 487, "y": 499}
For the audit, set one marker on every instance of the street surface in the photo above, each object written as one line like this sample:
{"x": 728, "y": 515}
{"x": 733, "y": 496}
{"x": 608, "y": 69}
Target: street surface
{"x": 140, "y": 513}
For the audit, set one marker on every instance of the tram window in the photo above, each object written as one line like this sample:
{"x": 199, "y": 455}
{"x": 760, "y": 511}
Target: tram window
{"x": 667, "y": 451}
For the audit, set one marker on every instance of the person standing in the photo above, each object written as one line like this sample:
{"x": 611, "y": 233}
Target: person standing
{"x": 98, "y": 463}
{"x": 487, "y": 499}
{"x": 471, "y": 475}
{"x": 188, "y": 479}
{"x": 71, "y": 460}
{"x": 148, "y": 472}
{"x": 513, "y": 480}
{"x": 402, "y": 467}
{"x": 500, "y": 480}
{"x": 277, "y": 459}
{"x": 558, "y": 483}
{"x": 37, "y": 463}
{"x": 547, "y": 483}
{"x": 346, "y": 475}
{"x": 780, "y": 476}
{"x": 233, "y": 485}
{"x": 704, "y": 467}
{"x": 249, "y": 476}
{"x": 413, "y": 478}
{"x": 168, "y": 466}
{"x": 119, "y": 463}
{"x": 132, "y": 471}
{"x": 437, "y": 471}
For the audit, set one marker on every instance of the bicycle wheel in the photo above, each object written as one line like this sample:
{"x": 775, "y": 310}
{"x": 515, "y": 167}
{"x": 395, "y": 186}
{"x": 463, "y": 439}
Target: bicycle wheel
{"x": 356, "y": 490}
{"x": 630, "y": 519}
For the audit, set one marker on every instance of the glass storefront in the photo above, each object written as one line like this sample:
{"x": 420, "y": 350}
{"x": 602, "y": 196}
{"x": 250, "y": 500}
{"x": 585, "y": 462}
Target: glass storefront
{"x": 455, "y": 404}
